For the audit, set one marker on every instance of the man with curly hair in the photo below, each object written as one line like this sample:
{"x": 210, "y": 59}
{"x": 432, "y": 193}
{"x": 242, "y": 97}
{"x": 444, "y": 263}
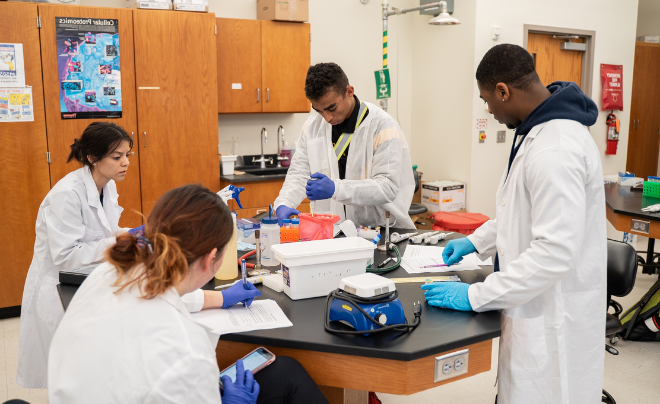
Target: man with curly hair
{"x": 351, "y": 159}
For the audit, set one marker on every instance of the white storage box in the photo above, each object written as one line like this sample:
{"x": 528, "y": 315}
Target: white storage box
{"x": 228, "y": 164}
{"x": 443, "y": 196}
{"x": 315, "y": 268}
{"x": 629, "y": 180}
{"x": 649, "y": 38}
{"x": 150, "y": 4}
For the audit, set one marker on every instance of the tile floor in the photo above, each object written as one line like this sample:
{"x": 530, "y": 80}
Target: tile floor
{"x": 631, "y": 377}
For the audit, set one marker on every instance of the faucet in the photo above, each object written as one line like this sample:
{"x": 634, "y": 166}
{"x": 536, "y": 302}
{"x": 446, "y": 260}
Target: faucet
{"x": 263, "y": 159}
{"x": 280, "y": 144}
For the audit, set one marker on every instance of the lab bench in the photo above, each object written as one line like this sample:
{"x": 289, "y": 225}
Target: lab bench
{"x": 351, "y": 365}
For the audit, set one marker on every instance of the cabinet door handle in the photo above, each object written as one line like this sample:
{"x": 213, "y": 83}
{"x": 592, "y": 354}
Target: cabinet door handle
{"x": 261, "y": 211}
{"x": 258, "y": 95}
{"x": 145, "y": 139}
{"x": 637, "y": 127}
{"x": 133, "y": 142}
{"x": 267, "y": 94}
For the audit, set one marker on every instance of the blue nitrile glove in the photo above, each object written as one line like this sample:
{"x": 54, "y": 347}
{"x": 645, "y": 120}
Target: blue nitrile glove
{"x": 245, "y": 390}
{"x": 136, "y": 230}
{"x": 285, "y": 212}
{"x": 455, "y": 250}
{"x": 321, "y": 188}
{"x": 237, "y": 294}
{"x": 448, "y": 295}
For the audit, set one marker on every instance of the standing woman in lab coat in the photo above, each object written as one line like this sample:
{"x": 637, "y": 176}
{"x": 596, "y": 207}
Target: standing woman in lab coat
{"x": 76, "y": 223}
{"x": 549, "y": 236}
{"x": 127, "y": 336}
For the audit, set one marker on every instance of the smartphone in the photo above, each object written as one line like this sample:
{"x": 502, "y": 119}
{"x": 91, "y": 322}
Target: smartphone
{"x": 254, "y": 361}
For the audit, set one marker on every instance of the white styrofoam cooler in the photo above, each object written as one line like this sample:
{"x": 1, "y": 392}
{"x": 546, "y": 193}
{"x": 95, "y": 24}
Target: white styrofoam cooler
{"x": 315, "y": 268}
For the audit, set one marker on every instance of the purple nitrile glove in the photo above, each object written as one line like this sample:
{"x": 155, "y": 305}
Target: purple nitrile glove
{"x": 284, "y": 212}
{"x": 237, "y": 294}
{"x": 448, "y": 295}
{"x": 455, "y": 250}
{"x": 245, "y": 390}
{"x": 320, "y": 188}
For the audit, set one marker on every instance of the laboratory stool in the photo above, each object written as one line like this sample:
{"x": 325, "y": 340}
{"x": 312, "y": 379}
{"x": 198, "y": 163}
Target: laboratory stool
{"x": 458, "y": 222}
{"x": 621, "y": 274}
{"x": 16, "y": 401}
{"x": 416, "y": 209}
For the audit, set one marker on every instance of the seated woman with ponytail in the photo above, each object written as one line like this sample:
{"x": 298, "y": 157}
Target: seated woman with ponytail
{"x": 77, "y": 221}
{"x": 127, "y": 337}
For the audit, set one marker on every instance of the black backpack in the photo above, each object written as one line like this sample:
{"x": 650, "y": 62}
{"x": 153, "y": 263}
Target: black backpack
{"x": 641, "y": 322}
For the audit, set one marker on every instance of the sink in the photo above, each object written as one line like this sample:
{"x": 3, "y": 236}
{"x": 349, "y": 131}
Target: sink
{"x": 265, "y": 171}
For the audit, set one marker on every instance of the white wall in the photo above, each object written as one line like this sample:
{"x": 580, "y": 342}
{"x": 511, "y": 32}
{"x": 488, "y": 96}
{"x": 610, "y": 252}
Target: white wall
{"x": 648, "y": 17}
{"x": 443, "y": 60}
{"x": 348, "y": 33}
{"x": 613, "y": 46}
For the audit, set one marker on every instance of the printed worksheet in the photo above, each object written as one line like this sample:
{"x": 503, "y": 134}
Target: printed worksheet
{"x": 260, "y": 315}
{"x": 422, "y": 259}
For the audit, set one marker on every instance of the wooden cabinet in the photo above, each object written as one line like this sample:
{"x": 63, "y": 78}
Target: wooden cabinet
{"x": 644, "y": 129}
{"x": 262, "y": 66}
{"x": 62, "y": 132}
{"x": 175, "y": 65}
{"x": 257, "y": 196}
{"x": 24, "y": 176}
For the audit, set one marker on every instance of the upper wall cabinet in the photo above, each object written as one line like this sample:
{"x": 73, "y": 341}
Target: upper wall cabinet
{"x": 262, "y": 66}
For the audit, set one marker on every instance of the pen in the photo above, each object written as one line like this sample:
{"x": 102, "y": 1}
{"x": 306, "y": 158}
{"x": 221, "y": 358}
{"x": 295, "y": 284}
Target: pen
{"x": 434, "y": 266}
{"x": 244, "y": 274}
{"x": 382, "y": 264}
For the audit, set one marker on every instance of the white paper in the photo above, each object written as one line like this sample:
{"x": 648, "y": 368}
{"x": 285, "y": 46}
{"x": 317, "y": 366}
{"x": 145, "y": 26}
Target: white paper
{"x": 488, "y": 261}
{"x": 12, "y": 70}
{"x": 417, "y": 257}
{"x": 16, "y": 105}
{"x": 260, "y": 315}
{"x": 236, "y": 86}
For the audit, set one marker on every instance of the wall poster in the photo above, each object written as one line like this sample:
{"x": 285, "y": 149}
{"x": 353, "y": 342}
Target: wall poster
{"x": 16, "y": 105}
{"x": 12, "y": 72}
{"x": 88, "y": 67}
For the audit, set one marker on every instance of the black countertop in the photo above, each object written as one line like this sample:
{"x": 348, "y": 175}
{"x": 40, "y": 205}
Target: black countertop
{"x": 254, "y": 173}
{"x": 440, "y": 329}
{"x": 623, "y": 201}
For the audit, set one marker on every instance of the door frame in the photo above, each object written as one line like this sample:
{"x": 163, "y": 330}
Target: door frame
{"x": 588, "y": 59}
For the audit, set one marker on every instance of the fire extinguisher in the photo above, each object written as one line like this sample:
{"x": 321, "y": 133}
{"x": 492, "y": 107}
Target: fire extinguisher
{"x": 613, "y": 129}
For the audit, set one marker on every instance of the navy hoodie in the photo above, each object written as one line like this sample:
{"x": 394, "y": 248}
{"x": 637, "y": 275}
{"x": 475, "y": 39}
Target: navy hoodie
{"x": 566, "y": 101}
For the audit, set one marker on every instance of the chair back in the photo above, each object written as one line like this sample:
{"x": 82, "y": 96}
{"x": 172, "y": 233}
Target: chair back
{"x": 621, "y": 268}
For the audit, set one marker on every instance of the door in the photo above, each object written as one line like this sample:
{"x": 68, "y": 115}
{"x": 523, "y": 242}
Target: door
{"x": 24, "y": 178}
{"x": 552, "y": 63}
{"x": 177, "y": 101}
{"x": 285, "y": 58}
{"x": 239, "y": 65}
{"x": 62, "y": 132}
{"x": 644, "y": 140}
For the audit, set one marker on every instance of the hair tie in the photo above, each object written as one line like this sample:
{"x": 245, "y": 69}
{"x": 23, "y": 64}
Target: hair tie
{"x": 141, "y": 240}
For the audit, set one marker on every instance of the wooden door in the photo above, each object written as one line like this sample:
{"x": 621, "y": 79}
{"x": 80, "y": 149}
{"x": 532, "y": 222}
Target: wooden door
{"x": 177, "y": 98}
{"x": 62, "y": 132}
{"x": 644, "y": 130}
{"x": 551, "y": 62}
{"x": 24, "y": 178}
{"x": 285, "y": 58}
{"x": 239, "y": 65}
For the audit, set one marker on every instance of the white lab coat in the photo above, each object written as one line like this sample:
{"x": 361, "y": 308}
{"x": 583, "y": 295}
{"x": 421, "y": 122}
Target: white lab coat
{"x": 550, "y": 235}
{"x": 120, "y": 348}
{"x": 379, "y": 175}
{"x": 73, "y": 230}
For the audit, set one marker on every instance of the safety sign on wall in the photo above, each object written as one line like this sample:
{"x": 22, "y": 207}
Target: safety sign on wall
{"x": 612, "y": 76}
{"x": 383, "y": 87}
{"x": 12, "y": 72}
{"x": 88, "y": 67}
{"x": 16, "y": 105}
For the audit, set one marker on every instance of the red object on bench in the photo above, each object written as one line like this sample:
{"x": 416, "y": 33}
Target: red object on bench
{"x": 459, "y": 222}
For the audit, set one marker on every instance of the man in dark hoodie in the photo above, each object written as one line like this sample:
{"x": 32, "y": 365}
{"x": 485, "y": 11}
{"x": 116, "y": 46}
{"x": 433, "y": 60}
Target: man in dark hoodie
{"x": 549, "y": 239}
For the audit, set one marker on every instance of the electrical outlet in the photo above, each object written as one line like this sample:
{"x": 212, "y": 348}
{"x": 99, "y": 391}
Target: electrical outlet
{"x": 451, "y": 365}
{"x": 501, "y": 136}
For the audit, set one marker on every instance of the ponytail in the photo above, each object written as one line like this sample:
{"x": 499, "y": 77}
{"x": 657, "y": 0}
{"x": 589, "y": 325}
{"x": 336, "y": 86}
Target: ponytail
{"x": 186, "y": 224}
{"x": 76, "y": 152}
